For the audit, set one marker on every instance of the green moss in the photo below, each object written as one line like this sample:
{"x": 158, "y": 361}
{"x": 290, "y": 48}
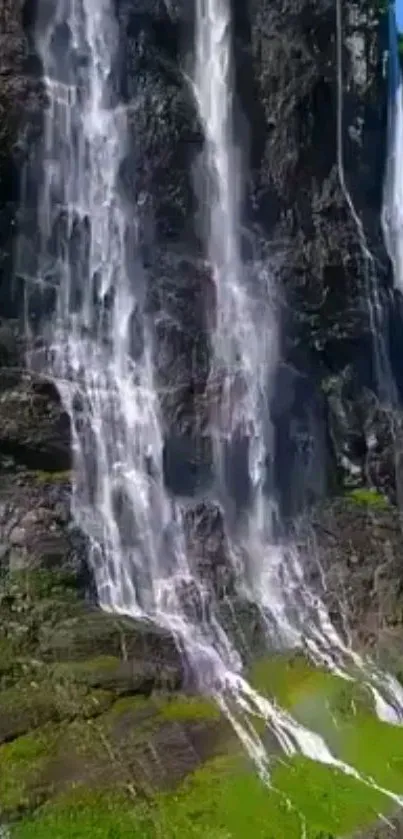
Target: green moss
{"x": 40, "y": 584}
{"x": 60, "y": 477}
{"x": 30, "y": 705}
{"x": 25, "y": 707}
{"x": 368, "y": 498}
{"x": 131, "y": 720}
{"x": 223, "y": 800}
{"x": 7, "y": 655}
{"x": 21, "y": 764}
{"x": 31, "y": 601}
{"x": 86, "y": 815}
{"x": 92, "y": 672}
{"x": 183, "y": 709}
{"x": 131, "y": 705}
{"x": 239, "y": 805}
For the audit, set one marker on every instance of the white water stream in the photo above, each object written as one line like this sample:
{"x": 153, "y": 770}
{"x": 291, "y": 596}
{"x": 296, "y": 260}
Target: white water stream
{"x": 98, "y": 347}
{"x": 245, "y": 355}
{"x": 245, "y": 344}
{"x": 392, "y": 216}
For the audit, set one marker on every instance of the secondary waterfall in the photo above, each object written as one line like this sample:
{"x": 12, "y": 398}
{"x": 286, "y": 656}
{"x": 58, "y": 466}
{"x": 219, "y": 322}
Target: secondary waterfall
{"x": 244, "y": 358}
{"x": 96, "y": 341}
{"x": 392, "y": 216}
{"x": 245, "y": 344}
{"x": 244, "y": 333}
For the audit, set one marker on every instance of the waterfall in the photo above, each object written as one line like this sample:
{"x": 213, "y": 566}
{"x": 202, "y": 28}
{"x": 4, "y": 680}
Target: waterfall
{"x": 392, "y": 215}
{"x": 245, "y": 340}
{"x": 100, "y": 344}
{"x": 244, "y": 359}
{"x": 244, "y": 331}
{"x": 93, "y": 337}
{"x": 245, "y": 350}
{"x": 97, "y": 344}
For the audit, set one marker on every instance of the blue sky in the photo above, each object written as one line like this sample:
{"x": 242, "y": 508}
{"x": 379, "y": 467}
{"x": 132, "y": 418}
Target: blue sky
{"x": 399, "y": 13}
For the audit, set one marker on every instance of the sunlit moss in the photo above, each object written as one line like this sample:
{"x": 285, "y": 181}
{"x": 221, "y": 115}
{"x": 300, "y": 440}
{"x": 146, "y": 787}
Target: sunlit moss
{"x": 188, "y": 709}
{"x": 368, "y": 498}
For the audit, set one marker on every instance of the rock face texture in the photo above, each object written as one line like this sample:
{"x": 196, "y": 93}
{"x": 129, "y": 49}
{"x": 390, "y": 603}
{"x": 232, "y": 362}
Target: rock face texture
{"x": 357, "y": 542}
{"x": 311, "y": 99}
{"x": 321, "y": 95}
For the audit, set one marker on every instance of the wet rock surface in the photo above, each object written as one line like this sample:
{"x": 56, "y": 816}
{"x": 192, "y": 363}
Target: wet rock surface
{"x": 36, "y": 527}
{"x": 356, "y": 543}
{"x": 393, "y": 830}
{"x": 296, "y": 220}
{"x": 34, "y": 428}
{"x": 93, "y": 696}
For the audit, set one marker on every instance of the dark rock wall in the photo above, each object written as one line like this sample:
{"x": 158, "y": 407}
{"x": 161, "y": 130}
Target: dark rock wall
{"x": 301, "y": 182}
{"x": 22, "y": 102}
{"x": 295, "y": 214}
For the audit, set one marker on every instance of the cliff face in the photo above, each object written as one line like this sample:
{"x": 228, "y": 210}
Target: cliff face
{"x": 316, "y": 173}
{"x": 310, "y": 116}
{"x": 303, "y": 186}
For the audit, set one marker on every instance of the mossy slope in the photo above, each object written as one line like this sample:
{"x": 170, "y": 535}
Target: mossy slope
{"x": 104, "y": 784}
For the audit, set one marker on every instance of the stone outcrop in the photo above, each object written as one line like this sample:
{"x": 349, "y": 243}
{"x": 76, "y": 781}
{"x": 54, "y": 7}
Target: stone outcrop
{"x": 355, "y": 543}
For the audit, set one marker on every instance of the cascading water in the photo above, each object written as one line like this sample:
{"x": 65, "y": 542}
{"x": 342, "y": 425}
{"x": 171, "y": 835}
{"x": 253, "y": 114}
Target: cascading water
{"x": 245, "y": 353}
{"x": 244, "y": 359}
{"x": 97, "y": 345}
{"x": 100, "y": 347}
{"x": 244, "y": 334}
{"x": 245, "y": 330}
{"x": 392, "y": 215}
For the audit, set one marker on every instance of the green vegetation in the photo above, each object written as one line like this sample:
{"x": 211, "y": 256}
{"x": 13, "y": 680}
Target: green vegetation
{"x": 131, "y": 705}
{"x": 86, "y": 770}
{"x": 182, "y": 709}
{"x": 58, "y": 477}
{"x": 88, "y": 750}
{"x": 99, "y": 671}
{"x": 21, "y": 763}
{"x": 223, "y": 800}
{"x": 368, "y": 498}
{"x": 33, "y": 585}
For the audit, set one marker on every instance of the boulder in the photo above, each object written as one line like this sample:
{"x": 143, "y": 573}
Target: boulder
{"x": 36, "y": 529}
{"x": 34, "y": 428}
{"x": 208, "y": 548}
